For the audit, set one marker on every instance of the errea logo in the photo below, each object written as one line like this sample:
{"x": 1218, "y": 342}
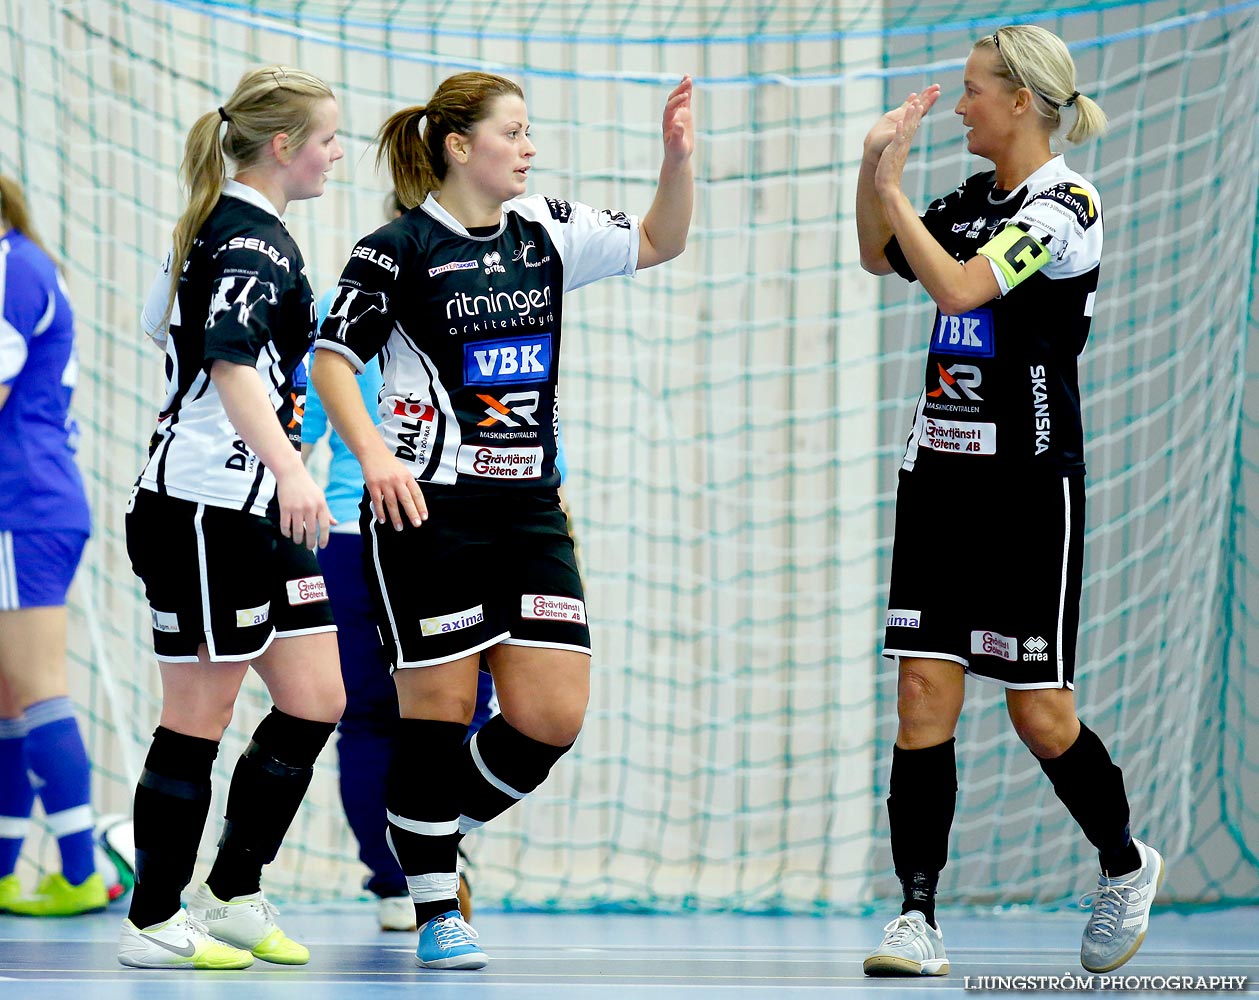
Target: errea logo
{"x": 493, "y": 262}
{"x": 1034, "y": 648}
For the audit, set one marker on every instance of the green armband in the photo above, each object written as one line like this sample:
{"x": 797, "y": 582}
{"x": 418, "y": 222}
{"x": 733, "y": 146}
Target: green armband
{"x": 1017, "y": 254}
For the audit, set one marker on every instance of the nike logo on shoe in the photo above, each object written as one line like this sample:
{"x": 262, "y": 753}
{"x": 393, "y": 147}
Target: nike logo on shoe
{"x": 186, "y": 951}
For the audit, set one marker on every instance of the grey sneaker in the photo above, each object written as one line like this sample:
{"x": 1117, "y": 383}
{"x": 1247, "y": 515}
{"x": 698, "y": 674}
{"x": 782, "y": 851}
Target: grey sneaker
{"x": 910, "y": 947}
{"x": 1121, "y": 913}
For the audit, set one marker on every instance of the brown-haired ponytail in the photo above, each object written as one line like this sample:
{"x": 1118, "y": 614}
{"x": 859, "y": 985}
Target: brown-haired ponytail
{"x": 417, "y": 160}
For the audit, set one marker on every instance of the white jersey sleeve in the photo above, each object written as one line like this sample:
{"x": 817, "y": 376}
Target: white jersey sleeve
{"x": 594, "y": 243}
{"x": 153, "y": 316}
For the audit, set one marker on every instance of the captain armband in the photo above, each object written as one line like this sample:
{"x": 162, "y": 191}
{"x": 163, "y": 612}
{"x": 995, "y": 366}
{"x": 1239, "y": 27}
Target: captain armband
{"x": 1017, "y": 254}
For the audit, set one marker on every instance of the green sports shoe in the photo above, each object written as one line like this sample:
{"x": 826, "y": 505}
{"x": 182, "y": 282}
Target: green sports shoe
{"x": 10, "y": 891}
{"x": 55, "y": 897}
{"x": 246, "y": 922}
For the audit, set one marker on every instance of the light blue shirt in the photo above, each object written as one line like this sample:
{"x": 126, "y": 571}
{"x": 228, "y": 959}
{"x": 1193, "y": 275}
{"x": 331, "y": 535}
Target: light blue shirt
{"x": 345, "y": 477}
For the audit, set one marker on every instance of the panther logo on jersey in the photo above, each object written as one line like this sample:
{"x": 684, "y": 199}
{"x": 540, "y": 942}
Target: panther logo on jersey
{"x": 351, "y": 305}
{"x": 243, "y": 295}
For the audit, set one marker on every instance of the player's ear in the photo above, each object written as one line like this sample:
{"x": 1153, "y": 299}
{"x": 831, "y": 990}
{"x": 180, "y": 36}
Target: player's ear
{"x": 456, "y": 147}
{"x": 280, "y": 148}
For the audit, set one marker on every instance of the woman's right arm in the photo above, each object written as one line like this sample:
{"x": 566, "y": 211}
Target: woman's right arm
{"x": 395, "y": 494}
{"x": 304, "y": 514}
{"x": 874, "y": 229}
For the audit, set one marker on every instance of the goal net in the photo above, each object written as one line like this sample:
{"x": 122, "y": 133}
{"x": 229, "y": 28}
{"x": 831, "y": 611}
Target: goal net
{"x": 733, "y": 423}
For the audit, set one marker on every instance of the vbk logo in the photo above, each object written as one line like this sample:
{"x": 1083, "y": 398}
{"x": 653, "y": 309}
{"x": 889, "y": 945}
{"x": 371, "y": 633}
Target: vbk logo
{"x": 958, "y": 382}
{"x": 493, "y": 262}
{"x": 969, "y": 333}
{"x": 523, "y": 359}
{"x": 514, "y": 404}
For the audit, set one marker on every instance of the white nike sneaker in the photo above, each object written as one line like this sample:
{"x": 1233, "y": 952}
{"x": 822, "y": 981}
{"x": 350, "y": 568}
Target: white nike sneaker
{"x": 247, "y": 922}
{"x": 180, "y": 943}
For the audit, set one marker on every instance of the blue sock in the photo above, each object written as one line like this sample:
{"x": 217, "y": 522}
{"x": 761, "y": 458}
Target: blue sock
{"x": 57, "y": 757}
{"x": 16, "y": 794}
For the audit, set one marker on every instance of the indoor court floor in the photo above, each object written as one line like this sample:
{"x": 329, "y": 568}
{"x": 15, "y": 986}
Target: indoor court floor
{"x": 601, "y": 957}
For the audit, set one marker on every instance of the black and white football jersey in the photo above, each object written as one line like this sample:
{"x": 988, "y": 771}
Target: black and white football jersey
{"x": 243, "y": 297}
{"x": 468, "y": 328}
{"x": 1002, "y": 385}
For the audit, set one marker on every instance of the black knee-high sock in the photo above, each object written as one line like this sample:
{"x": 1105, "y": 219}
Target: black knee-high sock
{"x": 267, "y": 787}
{"x": 1091, "y": 786}
{"x": 499, "y": 767}
{"x": 421, "y": 798}
{"x": 171, "y": 804}
{"x": 922, "y": 796}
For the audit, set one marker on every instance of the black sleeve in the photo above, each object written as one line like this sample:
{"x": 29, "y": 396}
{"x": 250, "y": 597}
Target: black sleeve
{"x": 931, "y": 219}
{"x": 246, "y": 290}
{"x": 367, "y": 298}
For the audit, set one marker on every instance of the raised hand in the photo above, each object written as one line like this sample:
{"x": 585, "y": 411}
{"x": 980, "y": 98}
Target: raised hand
{"x": 677, "y": 125}
{"x": 904, "y": 127}
{"x": 884, "y": 130}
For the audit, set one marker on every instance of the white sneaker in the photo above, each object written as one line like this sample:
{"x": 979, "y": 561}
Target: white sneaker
{"x": 1121, "y": 913}
{"x": 180, "y": 943}
{"x": 396, "y": 913}
{"x": 247, "y": 922}
{"x": 910, "y": 947}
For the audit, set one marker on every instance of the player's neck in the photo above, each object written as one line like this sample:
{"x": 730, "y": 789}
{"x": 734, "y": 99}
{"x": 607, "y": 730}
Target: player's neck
{"x": 1020, "y": 162}
{"x": 266, "y": 185}
{"x": 472, "y": 209}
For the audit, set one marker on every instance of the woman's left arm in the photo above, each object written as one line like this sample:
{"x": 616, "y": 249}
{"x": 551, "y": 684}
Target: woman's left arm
{"x": 663, "y": 230}
{"x": 955, "y": 287}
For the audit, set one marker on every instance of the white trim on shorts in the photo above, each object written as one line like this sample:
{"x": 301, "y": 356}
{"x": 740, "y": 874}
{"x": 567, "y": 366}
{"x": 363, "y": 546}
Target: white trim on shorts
{"x": 289, "y": 634}
{"x": 511, "y": 641}
{"x": 898, "y": 654}
{"x": 453, "y": 656}
{"x": 10, "y": 599}
{"x": 1062, "y": 588}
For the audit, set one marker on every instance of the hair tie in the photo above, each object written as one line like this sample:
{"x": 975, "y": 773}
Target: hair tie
{"x": 224, "y": 115}
{"x": 1070, "y": 101}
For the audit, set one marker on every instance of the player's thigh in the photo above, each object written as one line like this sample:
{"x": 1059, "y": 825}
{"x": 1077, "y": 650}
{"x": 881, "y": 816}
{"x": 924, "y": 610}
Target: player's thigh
{"x": 542, "y": 691}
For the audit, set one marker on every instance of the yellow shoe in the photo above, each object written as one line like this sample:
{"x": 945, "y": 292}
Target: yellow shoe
{"x": 55, "y": 897}
{"x": 10, "y": 891}
{"x": 180, "y": 943}
{"x": 247, "y": 922}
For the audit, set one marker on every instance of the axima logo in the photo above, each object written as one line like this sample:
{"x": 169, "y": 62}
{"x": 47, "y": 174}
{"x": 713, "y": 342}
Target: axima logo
{"x": 493, "y": 362}
{"x": 452, "y": 623}
{"x": 899, "y": 618}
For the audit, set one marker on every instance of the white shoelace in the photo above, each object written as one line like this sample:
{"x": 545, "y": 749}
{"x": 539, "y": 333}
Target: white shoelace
{"x": 1108, "y": 903}
{"x": 453, "y": 932}
{"x": 902, "y": 930}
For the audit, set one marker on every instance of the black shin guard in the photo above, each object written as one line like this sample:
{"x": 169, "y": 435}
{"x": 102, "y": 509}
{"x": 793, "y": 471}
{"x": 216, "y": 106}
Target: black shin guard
{"x": 922, "y": 796}
{"x": 1091, "y": 786}
{"x": 423, "y": 817}
{"x": 171, "y": 803}
{"x": 267, "y": 788}
{"x": 500, "y": 766}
